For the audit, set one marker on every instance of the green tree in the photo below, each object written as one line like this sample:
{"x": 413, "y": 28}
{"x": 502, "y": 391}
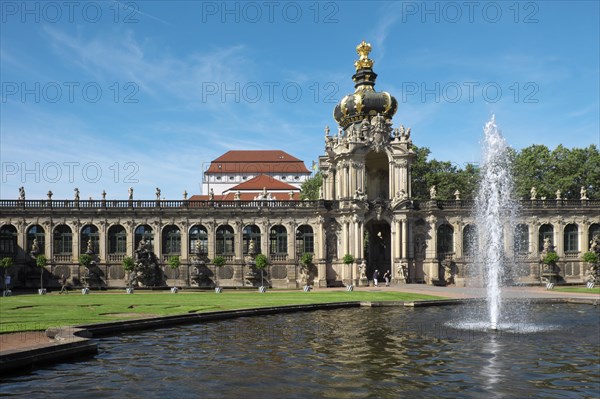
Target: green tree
{"x": 41, "y": 261}
{"x": 261, "y": 262}
{"x": 309, "y": 190}
{"x": 445, "y": 176}
{"x": 561, "y": 169}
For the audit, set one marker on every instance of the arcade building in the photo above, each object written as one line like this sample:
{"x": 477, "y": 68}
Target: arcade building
{"x": 250, "y": 204}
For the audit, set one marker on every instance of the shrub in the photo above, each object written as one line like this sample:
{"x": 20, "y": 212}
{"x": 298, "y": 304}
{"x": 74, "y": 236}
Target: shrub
{"x": 261, "y": 261}
{"x": 174, "y": 262}
{"x": 590, "y": 257}
{"x": 551, "y": 258}
{"x": 348, "y": 259}
{"x": 218, "y": 261}
{"x": 41, "y": 260}
{"x": 5, "y": 263}
{"x": 128, "y": 263}
{"x": 306, "y": 258}
{"x": 85, "y": 260}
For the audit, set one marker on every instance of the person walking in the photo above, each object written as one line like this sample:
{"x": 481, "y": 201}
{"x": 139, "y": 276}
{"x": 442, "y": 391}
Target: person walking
{"x": 386, "y": 277}
{"x": 63, "y": 283}
{"x": 376, "y": 278}
{"x": 7, "y": 280}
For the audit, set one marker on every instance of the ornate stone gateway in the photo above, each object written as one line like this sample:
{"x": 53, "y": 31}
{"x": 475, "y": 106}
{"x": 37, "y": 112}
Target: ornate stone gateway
{"x": 366, "y": 215}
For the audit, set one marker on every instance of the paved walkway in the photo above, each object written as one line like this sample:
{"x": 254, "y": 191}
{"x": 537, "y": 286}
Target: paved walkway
{"x": 23, "y": 341}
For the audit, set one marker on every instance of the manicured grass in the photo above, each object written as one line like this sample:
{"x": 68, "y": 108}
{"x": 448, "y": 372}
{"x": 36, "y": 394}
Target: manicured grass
{"x": 38, "y": 312}
{"x": 583, "y": 290}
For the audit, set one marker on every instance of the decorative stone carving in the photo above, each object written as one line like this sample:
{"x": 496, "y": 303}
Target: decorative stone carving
{"x": 533, "y": 193}
{"x": 157, "y": 194}
{"x": 558, "y": 194}
{"x": 22, "y": 193}
{"x": 76, "y": 197}
{"x": 583, "y": 193}
{"x": 362, "y": 270}
{"x": 130, "y": 193}
{"x": 457, "y": 195}
{"x": 432, "y": 192}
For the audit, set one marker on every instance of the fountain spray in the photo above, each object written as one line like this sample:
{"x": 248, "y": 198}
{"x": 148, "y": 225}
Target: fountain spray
{"x": 495, "y": 211}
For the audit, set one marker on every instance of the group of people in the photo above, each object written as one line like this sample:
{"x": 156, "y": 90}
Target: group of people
{"x": 386, "y": 277}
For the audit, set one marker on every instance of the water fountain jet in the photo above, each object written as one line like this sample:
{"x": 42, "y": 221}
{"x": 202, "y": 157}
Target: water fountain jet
{"x": 494, "y": 209}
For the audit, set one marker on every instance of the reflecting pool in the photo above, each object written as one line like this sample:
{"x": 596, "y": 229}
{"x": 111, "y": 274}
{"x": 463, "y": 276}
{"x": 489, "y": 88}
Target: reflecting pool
{"x": 387, "y": 352}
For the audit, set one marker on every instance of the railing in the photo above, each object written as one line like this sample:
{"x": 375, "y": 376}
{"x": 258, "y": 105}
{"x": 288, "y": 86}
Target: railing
{"x": 228, "y": 257}
{"x": 125, "y": 204}
{"x": 113, "y": 258}
{"x": 278, "y": 257}
{"x": 206, "y": 204}
{"x": 62, "y": 257}
{"x": 572, "y": 255}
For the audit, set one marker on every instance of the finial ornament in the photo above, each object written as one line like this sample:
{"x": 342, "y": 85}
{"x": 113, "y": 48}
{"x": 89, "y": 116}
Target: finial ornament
{"x": 363, "y": 50}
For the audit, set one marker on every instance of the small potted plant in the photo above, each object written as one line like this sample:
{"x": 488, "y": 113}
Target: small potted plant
{"x": 218, "y": 261}
{"x": 41, "y": 261}
{"x": 174, "y": 264}
{"x": 348, "y": 259}
{"x": 5, "y": 263}
{"x": 261, "y": 262}
{"x": 128, "y": 266}
{"x": 306, "y": 260}
{"x": 85, "y": 260}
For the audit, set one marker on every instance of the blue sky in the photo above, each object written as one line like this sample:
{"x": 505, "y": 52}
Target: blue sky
{"x": 106, "y": 95}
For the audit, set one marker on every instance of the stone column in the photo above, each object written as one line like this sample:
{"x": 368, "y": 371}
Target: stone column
{"x": 48, "y": 250}
{"x": 533, "y": 239}
{"x": 75, "y": 247}
{"x": 185, "y": 241}
{"x": 392, "y": 179}
{"x": 157, "y": 229}
{"x": 405, "y": 238}
{"x": 129, "y": 228}
{"x": 211, "y": 228}
{"x": 238, "y": 240}
{"x": 559, "y": 229}
{"x": 102, "y": 241}
{"x": 321, "y": 279}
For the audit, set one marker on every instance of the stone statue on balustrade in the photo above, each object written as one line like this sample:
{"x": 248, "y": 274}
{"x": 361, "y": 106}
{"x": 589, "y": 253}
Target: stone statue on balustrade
{"x": 533, "y": 193}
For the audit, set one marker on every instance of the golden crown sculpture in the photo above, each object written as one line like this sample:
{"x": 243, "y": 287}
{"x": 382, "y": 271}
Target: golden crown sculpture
{"x": 363, "y": 50}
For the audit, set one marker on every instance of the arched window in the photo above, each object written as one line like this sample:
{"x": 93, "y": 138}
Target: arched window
{"x": 278, "y": 240}
{"x": 8, "y": 240}
{"x": 305, "y": 240}
{"x": 117, "y": 240}
{"x": 521, "y": 239}
{"x": 63, "y": 240}
{"x": 571, "y": 240}
{"x": 37, "y": 233}
{"x": 445, "y": 240}
{"x": 469, "y": 240}
{"x": 251, "y": 234}
{"x": 144, "y": 232}
{"x": 171, "y": 240}
{"x": 225, "y": 241}
{"x": 198, "y": 240}
{"x": 546, "y": 231}
{"x": 89, "y": 232}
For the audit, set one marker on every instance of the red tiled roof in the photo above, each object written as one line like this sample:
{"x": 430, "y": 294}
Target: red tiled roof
{"x": 263, "y": 181}
{"x": 257, "y": 161}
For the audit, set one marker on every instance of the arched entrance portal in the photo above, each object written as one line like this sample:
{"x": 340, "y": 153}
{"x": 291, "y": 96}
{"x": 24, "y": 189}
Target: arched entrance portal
{"x": 378, "y": 247}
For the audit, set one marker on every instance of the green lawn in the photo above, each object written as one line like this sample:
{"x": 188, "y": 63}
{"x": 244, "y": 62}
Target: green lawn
{"x": 38, "y": 312}
{"x": 583, "y": 290}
